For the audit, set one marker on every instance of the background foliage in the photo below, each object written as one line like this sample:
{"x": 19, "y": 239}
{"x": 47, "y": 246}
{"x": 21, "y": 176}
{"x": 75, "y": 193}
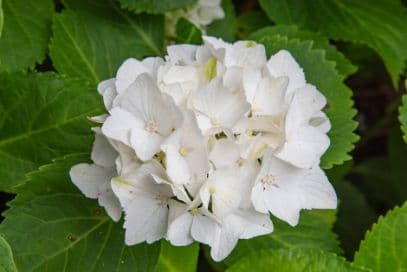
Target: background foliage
{"x": 52, "y": 55}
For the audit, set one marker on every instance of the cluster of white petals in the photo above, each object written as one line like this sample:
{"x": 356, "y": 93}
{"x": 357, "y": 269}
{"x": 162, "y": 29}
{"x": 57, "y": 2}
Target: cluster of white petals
{"x": 204, "y": 144}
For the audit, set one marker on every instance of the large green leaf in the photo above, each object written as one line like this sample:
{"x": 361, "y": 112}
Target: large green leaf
{"x": 355, "y": 216}
{"x": 1, "y": 17}
{"x": 313, "y": 232}
{"x": 177, "y": 259}
{"x": 42, "y": 116}
{"x": 293, "y": 261}
{"x": 342, "y": 64}
{"x": 51, "y": 226}
{"x": 225, "y": 28}
{"x": 376, "y": 23}
{"x": 403, "y": 117}
{"x": 155, "y": 6}
{"x": 6, "y": 257}
{"x": 25, "y": 33}
{"x": 384, "y": 247}
{"x": 321, "y": 72}
{"x": 92, "y": 38}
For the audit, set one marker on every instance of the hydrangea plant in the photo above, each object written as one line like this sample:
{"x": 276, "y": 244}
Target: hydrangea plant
{"x": 202, "y": 135}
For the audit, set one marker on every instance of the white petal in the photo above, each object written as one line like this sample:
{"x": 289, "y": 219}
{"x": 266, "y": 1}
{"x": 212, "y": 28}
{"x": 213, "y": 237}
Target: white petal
{"x": 152, "y": 65}
{"x": 304, "y": 147}
{"x": 146, "y": 144}
{"x": 109, "y": 201}
{"x": 179, "y": 227}
{"x": 145, "y": 220}
{"x": 128, "y": 72}
{"x": 117, "y": 125}
{"x": 203, "y": 229}
{"x": 225, "y": 152}
{"x": 321, "y": 122}
{"x": 103, "y": 153}
{"x": 89, "y": 177}
{"x": 251, "y": 81}
{"x": 249, "y": 223}
{"x": 224, "y": 242}
{"x": 99, "y": 118}
{"x": 216, "y": 46}
{"x": 107, "y": 89}
{"x": 283, "y": 64}
{"x": 182, "y": 53}
{"x": 270, "y": 96}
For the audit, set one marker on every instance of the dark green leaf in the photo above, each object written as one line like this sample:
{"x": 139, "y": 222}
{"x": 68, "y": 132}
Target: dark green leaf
{"x": 321, "y": 72}
{"x": 42, "y": 116}
{"x": 355, "y": 216}
{"x": 155, "y": 6}
{"x": 25, "y": 33}
{"x": 6, "y": 257}
{"x": 177, "y": 259}
{"x": 293, "y": 261}
{"x": 384, "y": 247}
{"x": 188, "y": 32}
{"x": 342, "y": 64}
{"x": 376, "y": 23}
{"x": 313, "y": 232}
{"x": 225, "y": 28}
{"x": 403, "y": 117}
{"x": 250, "y": 21}
{"x": 52, "y": 227}
{"x": 92, "y": 38}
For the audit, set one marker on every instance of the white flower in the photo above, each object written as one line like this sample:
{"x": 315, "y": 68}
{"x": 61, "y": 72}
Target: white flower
{"x": 205, "y": 12}
{"x": 217, "y": 107}
{"x": 145, "y": 203}
{"x": 204, "y": 144}
{"x": 284, "y": 190}
{"x": 186, "y": 158}
{"x": 94, "y": 179}
{"x": 142, "y": 118}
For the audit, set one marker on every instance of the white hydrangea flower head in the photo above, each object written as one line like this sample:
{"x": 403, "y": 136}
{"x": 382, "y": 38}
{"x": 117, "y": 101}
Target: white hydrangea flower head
{"x": 204, "y": 144}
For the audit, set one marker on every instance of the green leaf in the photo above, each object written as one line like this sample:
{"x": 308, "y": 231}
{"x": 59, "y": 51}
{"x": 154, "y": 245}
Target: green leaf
{"x": 225, "y": 28}
{"x": 403, "y": 117}
{"x": 6, "y": 257}
{"x": 155, "y": 6}
{"x": 26, "y": 28}
{"x": 51, "y": 226}
{"x": 321, "y": 73}
{"x": 293, "y": 261}
{"x": 1, "y": 17}
{"x": 177, "y": 259}
{"x": 384, "y": 247}
{"x": 342, "y": 64}
{"x": 376, "y": 23}
{"x": 92, "y": 38}
{"x": 250, "y": 21}
{"x": 355, "y": 216}
{"x": 313, "y": 232}
{"x": 42, "y": 116}
{"x": 188, "y": 32}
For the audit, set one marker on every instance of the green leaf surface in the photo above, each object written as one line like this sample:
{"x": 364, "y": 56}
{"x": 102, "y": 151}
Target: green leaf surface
{"x": 342, "y": 64}
{"x": 355, "y": 216}
{"x": 293, "y": 261}
{"x": 403, "y": 117}
{"x": 376, "y": 23}
{"x": 249, "y": 22}
{"x": 321, "y": 73}
{"x": 177, "y": 259}
{"x": 155, "y": 6}
{"x": 1, "y": 17}
{"x": 187, "y": 32}
{"x": 225, "y": 28}
{"x": 384, "y": 247}
{"x": 6, "y": 257}
{"x": 313, "y": 232}
{"x": 42, "y": 116}
{"x": 52, "y": 227}
{"x": 92, "y": 38}
{"x": 26, "y": 28}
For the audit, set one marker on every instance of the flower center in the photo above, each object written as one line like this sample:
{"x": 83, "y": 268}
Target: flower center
{"x": 215, "y": 121}
{"x": 269, "y": 180}
{"x": 183, "y": 151}
{"x": 194, "y": 211}
{"x": 151, "y": 126}
{"x": 162, "y": 200}
{"x": 240, "y": 162}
